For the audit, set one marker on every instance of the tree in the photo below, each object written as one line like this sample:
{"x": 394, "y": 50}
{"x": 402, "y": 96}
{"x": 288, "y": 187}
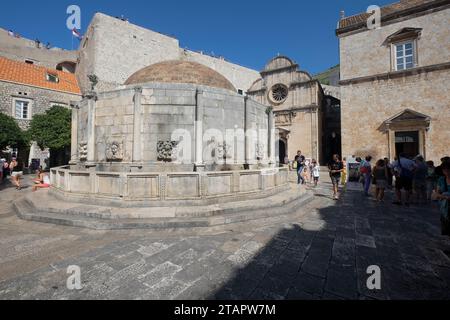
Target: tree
{"x": 10, "y": 133}
{"x": 52, "y": 130}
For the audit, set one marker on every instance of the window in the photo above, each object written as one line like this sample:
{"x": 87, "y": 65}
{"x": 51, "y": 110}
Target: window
{"x": 405, "y": 55}
{"x": 52, "y": 78}
{"x": 241, "y": 92}
{"x": 278, "y": 94}
{"x": 22, "y": 109}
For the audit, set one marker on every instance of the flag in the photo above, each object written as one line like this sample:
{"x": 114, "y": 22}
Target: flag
{"x": 76, "y": 34}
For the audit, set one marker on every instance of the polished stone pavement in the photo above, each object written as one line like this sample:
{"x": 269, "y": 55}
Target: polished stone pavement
{"x": 320, "y": 252}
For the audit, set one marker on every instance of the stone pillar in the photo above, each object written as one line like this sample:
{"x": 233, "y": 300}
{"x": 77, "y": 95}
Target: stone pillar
{"x": 247, "y": 126}
{"x": 74, "y": 140}
{"x": 137, "y": 125}
{"x": 92, "y": 98}
{"x": 199, "y": 165}
{"x": 271, "y": 148}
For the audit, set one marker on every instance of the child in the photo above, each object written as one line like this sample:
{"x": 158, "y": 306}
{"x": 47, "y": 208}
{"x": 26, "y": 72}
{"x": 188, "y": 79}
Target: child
{"x": 315, "y": 170}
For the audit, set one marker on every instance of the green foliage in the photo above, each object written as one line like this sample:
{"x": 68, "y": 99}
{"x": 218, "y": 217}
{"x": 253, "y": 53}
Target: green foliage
{"x": 53, "y": 129}
{"x": 10, "y": 133}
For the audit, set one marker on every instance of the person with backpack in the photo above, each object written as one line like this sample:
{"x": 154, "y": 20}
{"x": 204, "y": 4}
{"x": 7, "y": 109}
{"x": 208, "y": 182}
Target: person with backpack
{"x": 404, "y": 173}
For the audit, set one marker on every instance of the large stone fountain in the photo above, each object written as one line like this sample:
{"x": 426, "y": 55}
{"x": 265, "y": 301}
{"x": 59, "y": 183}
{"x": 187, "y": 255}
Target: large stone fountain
{"x": 174, "y": 144}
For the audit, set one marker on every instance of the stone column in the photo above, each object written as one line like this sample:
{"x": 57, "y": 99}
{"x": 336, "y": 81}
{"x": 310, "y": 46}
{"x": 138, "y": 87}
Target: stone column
{"x": 92, "y": 98}
{"x": 199, "y": 165}
{"x": 137, "y": 125}
{"x": 74, "y": 140}
{"x": 247, "y": 126}
{"x": 271, "y": 148}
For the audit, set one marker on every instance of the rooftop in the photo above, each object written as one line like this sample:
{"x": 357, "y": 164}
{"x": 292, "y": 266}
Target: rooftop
{"x": 38, "y": 76}
{"x": 391, "y": 9}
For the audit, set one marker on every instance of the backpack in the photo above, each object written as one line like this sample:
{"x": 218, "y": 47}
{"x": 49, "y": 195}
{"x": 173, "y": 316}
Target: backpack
{"x": 404, "y": 173}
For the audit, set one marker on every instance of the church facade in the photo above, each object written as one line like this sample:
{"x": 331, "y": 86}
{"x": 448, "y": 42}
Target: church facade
{"x": 296, "y": 99}
{"x": 395, "y": 82}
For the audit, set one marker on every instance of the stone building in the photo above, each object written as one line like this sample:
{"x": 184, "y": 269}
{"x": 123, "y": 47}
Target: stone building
{"x": 114, "y": 49}
{"x": 395, "y": 81}
{"x": 296, "y": 99}
{"x": 27, "y": 90}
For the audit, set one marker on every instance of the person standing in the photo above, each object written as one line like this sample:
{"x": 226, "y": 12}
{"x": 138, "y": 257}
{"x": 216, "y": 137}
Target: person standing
{"x": 443, "y": 195}
{"x": 344, "y": 173}
{"x": 420, "y": 180}
{"x": 366, "y": 170}
{"x": 300, "y": 167}
{"x": 380, "y": 174}
{"x": 390, "y": 179}
{"x": 16, "y": 173}
{"x": 431, "y": 179}
{"x": 335, "y": 168}
{"x": 404, "y": 171}
{"x": 315, "y": 171}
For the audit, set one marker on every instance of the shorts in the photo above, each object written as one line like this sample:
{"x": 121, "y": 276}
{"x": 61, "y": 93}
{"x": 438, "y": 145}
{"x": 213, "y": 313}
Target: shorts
{"x": 316, "y": 179}
{"x": 335, "y": 180}
{"x": 381, "y": 184}
{"x": 403, "y": 183}
{"x": 17, "y": 174}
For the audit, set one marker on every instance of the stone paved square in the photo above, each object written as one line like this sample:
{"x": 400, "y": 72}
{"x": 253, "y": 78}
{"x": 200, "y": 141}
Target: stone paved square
{"x": 320, "y": 252}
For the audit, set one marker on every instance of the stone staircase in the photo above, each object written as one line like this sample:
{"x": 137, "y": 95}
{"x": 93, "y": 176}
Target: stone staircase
{"x": 42, "y": 207}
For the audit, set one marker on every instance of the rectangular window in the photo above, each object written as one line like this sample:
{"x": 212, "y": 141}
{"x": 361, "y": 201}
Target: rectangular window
{"x": 404, "y": 56}
{"x": 22, "y": 109}
{"x": 52, "y": 78}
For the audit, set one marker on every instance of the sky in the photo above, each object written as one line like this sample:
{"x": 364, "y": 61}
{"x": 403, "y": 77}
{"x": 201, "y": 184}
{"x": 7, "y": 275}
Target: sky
{"x": 245, "y": 32}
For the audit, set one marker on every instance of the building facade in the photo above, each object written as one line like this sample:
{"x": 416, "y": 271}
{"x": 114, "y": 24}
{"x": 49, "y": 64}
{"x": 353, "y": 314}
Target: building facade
{"x": 395, "y": 81}
{"x": 296, "y": 99}
{"x": 114, "y": 49}
{"x": 27, "y": 90}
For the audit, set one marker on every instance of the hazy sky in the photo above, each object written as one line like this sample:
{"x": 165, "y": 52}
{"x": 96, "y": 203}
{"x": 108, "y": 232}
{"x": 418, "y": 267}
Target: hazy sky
{"x": 248, "y": 33}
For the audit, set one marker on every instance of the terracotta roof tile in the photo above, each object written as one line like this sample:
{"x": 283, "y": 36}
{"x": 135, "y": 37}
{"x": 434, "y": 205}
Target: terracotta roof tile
{"x": 28, "y": 74}
{"x": 386, "y": 10}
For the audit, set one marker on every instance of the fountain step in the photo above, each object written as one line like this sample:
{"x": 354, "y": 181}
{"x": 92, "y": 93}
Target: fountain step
{"x": 41, "y": 207}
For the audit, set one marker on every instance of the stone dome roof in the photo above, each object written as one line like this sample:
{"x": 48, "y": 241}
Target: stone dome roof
{"x": 177, "y": 71}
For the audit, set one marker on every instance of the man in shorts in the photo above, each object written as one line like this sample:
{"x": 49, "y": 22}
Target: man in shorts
{"x": 335, "y": 167}
{"x": 404, "y": 173}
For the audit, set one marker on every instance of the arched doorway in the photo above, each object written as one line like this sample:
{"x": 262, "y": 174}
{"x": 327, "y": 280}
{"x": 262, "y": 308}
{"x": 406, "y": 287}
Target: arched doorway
{"x": 282, "y": 151}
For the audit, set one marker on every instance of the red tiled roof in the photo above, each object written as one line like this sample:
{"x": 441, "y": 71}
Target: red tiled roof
{"x": 386, "y": 10}
{"x": 32, "y": 75}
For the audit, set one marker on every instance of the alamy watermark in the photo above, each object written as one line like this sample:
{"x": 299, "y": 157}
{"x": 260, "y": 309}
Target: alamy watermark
{"x": 74, "y": 280}
{"x": 374, "y": 20}
{"x": 374, "y": 280}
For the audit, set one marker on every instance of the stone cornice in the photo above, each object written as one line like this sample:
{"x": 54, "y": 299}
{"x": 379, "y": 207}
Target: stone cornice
{"x": 297, "y": 108}
{"x": 396, "y": 74}
{"x": 292, "y": 67}
{"x": 397, "y": 16}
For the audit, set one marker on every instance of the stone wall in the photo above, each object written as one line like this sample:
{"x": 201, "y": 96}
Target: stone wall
{"x": 114, "y": 49}
{"x": 363, "y": 54}
{"x": 24, "y": 49}
{"x": 41, "y": 99}
{"x": 166, "y": 189}
{"x": 368, "y": 102}
{"x": 366, "y": 106}
{"x": 139, "y": 122}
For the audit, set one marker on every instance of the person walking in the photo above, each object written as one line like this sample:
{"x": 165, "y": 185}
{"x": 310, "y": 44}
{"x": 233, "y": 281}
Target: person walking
{"x": 404, "y": 171}
{"x": 380, "y": 176}
{"x": 300, "y": 167}
{"x": 335, "y": 168}
{"x": 16, "y": 173}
